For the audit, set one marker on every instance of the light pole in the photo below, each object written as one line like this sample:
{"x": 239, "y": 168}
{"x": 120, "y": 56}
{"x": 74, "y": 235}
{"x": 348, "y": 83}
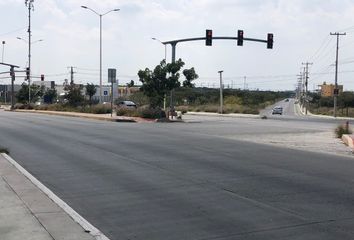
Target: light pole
{"x": 164, "y": 97}
{"x": 29, "y": 4}
{"x": 221, "y": 95}
{"x": 3, "y": 49}
{"x": 100, "y": 15}
{"x": 156, "y": 39}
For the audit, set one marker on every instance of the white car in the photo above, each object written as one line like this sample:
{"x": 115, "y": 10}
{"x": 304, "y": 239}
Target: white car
{"x": 127, "y": 104}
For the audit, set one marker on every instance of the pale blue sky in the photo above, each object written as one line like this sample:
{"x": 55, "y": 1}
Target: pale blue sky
{"x": 71, "y": 38}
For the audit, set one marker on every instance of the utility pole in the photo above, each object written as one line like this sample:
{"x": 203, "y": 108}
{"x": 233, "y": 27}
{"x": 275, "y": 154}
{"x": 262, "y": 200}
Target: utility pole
{"x": 221, "y": 96}
{"x": 72, "y": 75}
{"x": 244, "y": 82}
{"x": 306, "y": 72}
{"x": 336, "y": 90}
{"x": 29, "y": 4}
{"x": 3, "y": 49}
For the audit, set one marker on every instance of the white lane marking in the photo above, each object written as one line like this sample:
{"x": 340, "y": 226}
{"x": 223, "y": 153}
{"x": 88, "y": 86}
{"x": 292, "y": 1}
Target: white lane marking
{"x": 72, "y": 213}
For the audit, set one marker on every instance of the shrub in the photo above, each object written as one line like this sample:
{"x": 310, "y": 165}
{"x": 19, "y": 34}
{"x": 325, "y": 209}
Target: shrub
{"x": 100, "y": 109}
{"x": 342, "y": 129}
{"x": 122, "y": 111}
{"x": 4, "y": 150}
{"x": 154, "y": 113}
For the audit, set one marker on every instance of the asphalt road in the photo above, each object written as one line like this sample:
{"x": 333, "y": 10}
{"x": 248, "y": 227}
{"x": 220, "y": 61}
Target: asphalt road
{"x": 187, "y": 180}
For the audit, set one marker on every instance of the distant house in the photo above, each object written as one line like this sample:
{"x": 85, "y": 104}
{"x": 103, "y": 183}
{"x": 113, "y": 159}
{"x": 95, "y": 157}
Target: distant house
{"x": 327, "y": 90}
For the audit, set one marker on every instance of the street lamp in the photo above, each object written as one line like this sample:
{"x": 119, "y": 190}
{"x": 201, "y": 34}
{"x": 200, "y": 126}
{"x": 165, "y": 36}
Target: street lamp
{"x": 156, "y": 39}
{"x": 39, "y": 40}
{"x": 164, "y": 98}
{"x": 101, "y": 15}
{"x": 3, "y": 48}
{"x": 221, "y": 93}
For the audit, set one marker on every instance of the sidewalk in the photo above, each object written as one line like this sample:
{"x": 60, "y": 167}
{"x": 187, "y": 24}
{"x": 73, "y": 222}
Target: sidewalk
{"x": 26, "y": 212}
{"x": 105, "y": 117}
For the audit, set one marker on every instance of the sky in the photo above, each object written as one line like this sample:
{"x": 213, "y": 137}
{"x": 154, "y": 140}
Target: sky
{"x": 70, "y": 36}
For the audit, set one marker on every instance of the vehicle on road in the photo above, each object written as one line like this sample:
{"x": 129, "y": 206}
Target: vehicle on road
{"x": 127, "y": 104}
{"x": 287, "y": 100}
{"x": 277, "y": 110}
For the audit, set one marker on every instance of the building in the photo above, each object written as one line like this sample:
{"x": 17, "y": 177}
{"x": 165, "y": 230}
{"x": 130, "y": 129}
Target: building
{"x": 327, "y": 90}
{"x": 5, "y": 92}
{"x": 46, "y": 84}
{"x": 125, "y": 91}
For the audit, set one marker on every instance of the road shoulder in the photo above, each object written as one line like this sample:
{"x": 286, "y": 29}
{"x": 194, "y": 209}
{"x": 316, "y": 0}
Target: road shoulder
{"x": 27, "y": 212}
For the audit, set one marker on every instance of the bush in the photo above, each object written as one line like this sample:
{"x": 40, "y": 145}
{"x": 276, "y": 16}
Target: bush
{"x": 4, "y": 150}
{"x": 100, "y": 109}
{"x": 24, "y": 106}
{"x": 123, "y": 111}
{"x": 153, "y": 113}
{"x": 342, "y": 129}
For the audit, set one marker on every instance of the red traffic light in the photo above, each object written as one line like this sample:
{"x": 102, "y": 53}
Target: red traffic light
{"x": 240, "y": 38}
{"x": 208, "y": 37}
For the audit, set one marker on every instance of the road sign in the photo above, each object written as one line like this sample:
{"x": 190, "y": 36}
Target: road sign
{"x": 105, "y": 93}
{"x": 112, "y": 75}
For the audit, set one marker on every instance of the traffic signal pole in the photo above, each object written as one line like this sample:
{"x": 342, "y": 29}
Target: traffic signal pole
{"x": 174, "y": 43}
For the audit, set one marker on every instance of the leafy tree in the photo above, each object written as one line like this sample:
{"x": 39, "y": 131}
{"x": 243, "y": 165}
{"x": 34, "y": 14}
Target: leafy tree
{"x": 35, "y": 90}
{"x": 131, "y": 84}
{"x": 190, "y": 75}
{"x": 90, "y": 91}
{"x": 50, "y": 95}
{"x": 74, "y": 95}
{"x": 157, "y": 83}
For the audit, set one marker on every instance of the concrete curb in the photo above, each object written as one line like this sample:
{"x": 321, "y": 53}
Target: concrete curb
{"x": 97, "y": 234}
{"x": 88, "y": 116}
{"x": 235, "y": 115}
{"x": 348, "y": 139}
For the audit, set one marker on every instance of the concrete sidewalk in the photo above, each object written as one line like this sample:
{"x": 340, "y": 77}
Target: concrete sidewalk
{"x": 26, "y": 212}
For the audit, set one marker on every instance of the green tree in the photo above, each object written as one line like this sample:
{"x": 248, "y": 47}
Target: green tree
{"x": 74, "y": 95}
{"x": 35, "y": 90}
{"x": 190, "y": 76}
{"x": 157, "y": 83}
{"x": 90, "y": 91}
{"x": 131, "y": 84}
{"x": 50, "y": 95}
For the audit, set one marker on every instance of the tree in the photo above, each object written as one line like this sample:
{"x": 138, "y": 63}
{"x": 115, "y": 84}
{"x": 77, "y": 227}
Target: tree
{"x": 90, "y": 91}
{"x": 50, "y": 95}
{"x": 157, "y": 83}
{"x": 190, "y": 75}
{"x": 131, "y": 84}
{"x": 74, "y": 95}
{"x": 35, "y": 90}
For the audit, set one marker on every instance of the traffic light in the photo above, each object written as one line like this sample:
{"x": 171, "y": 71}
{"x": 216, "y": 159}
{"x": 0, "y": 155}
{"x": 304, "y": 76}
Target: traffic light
{"x": 42, "y": 77}
{"x": 240, "y": 38}
{"x": 336, "y": 91}
{"x": 27, "y": 73}
{"x": 270, "y": 41}
{"x": 209, "y": 37}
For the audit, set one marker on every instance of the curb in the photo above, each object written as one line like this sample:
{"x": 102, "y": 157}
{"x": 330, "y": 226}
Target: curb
{"x": 348, "y": 139}
{"x": 235, "y": 115}
{"x": 78, "y": 115}
{"x": 88, "y": 227}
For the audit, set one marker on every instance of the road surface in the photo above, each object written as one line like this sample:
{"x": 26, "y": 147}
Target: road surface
{"x": 187, "y": 180}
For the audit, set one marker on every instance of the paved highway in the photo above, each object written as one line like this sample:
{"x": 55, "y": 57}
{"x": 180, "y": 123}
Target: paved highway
{"x": 187, "y": 180}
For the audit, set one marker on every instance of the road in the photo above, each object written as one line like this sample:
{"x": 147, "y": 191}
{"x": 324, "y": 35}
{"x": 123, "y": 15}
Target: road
{"x": 187, "y": 180}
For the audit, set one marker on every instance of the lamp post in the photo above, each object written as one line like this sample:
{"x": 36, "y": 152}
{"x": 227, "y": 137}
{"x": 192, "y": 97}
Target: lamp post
{"x": 100, "y": 15}
{"x": 164, "y": 98}
{"x": 3, "y": 49}
{"x": 221, "y": 94}
{"x": 156, "y": 39}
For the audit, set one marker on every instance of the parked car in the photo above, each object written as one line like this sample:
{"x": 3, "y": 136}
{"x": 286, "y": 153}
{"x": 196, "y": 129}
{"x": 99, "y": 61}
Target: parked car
{"x": 127, "y": 104}
{"x": 287, "y": 100}
{"x": 277, "y": 110}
